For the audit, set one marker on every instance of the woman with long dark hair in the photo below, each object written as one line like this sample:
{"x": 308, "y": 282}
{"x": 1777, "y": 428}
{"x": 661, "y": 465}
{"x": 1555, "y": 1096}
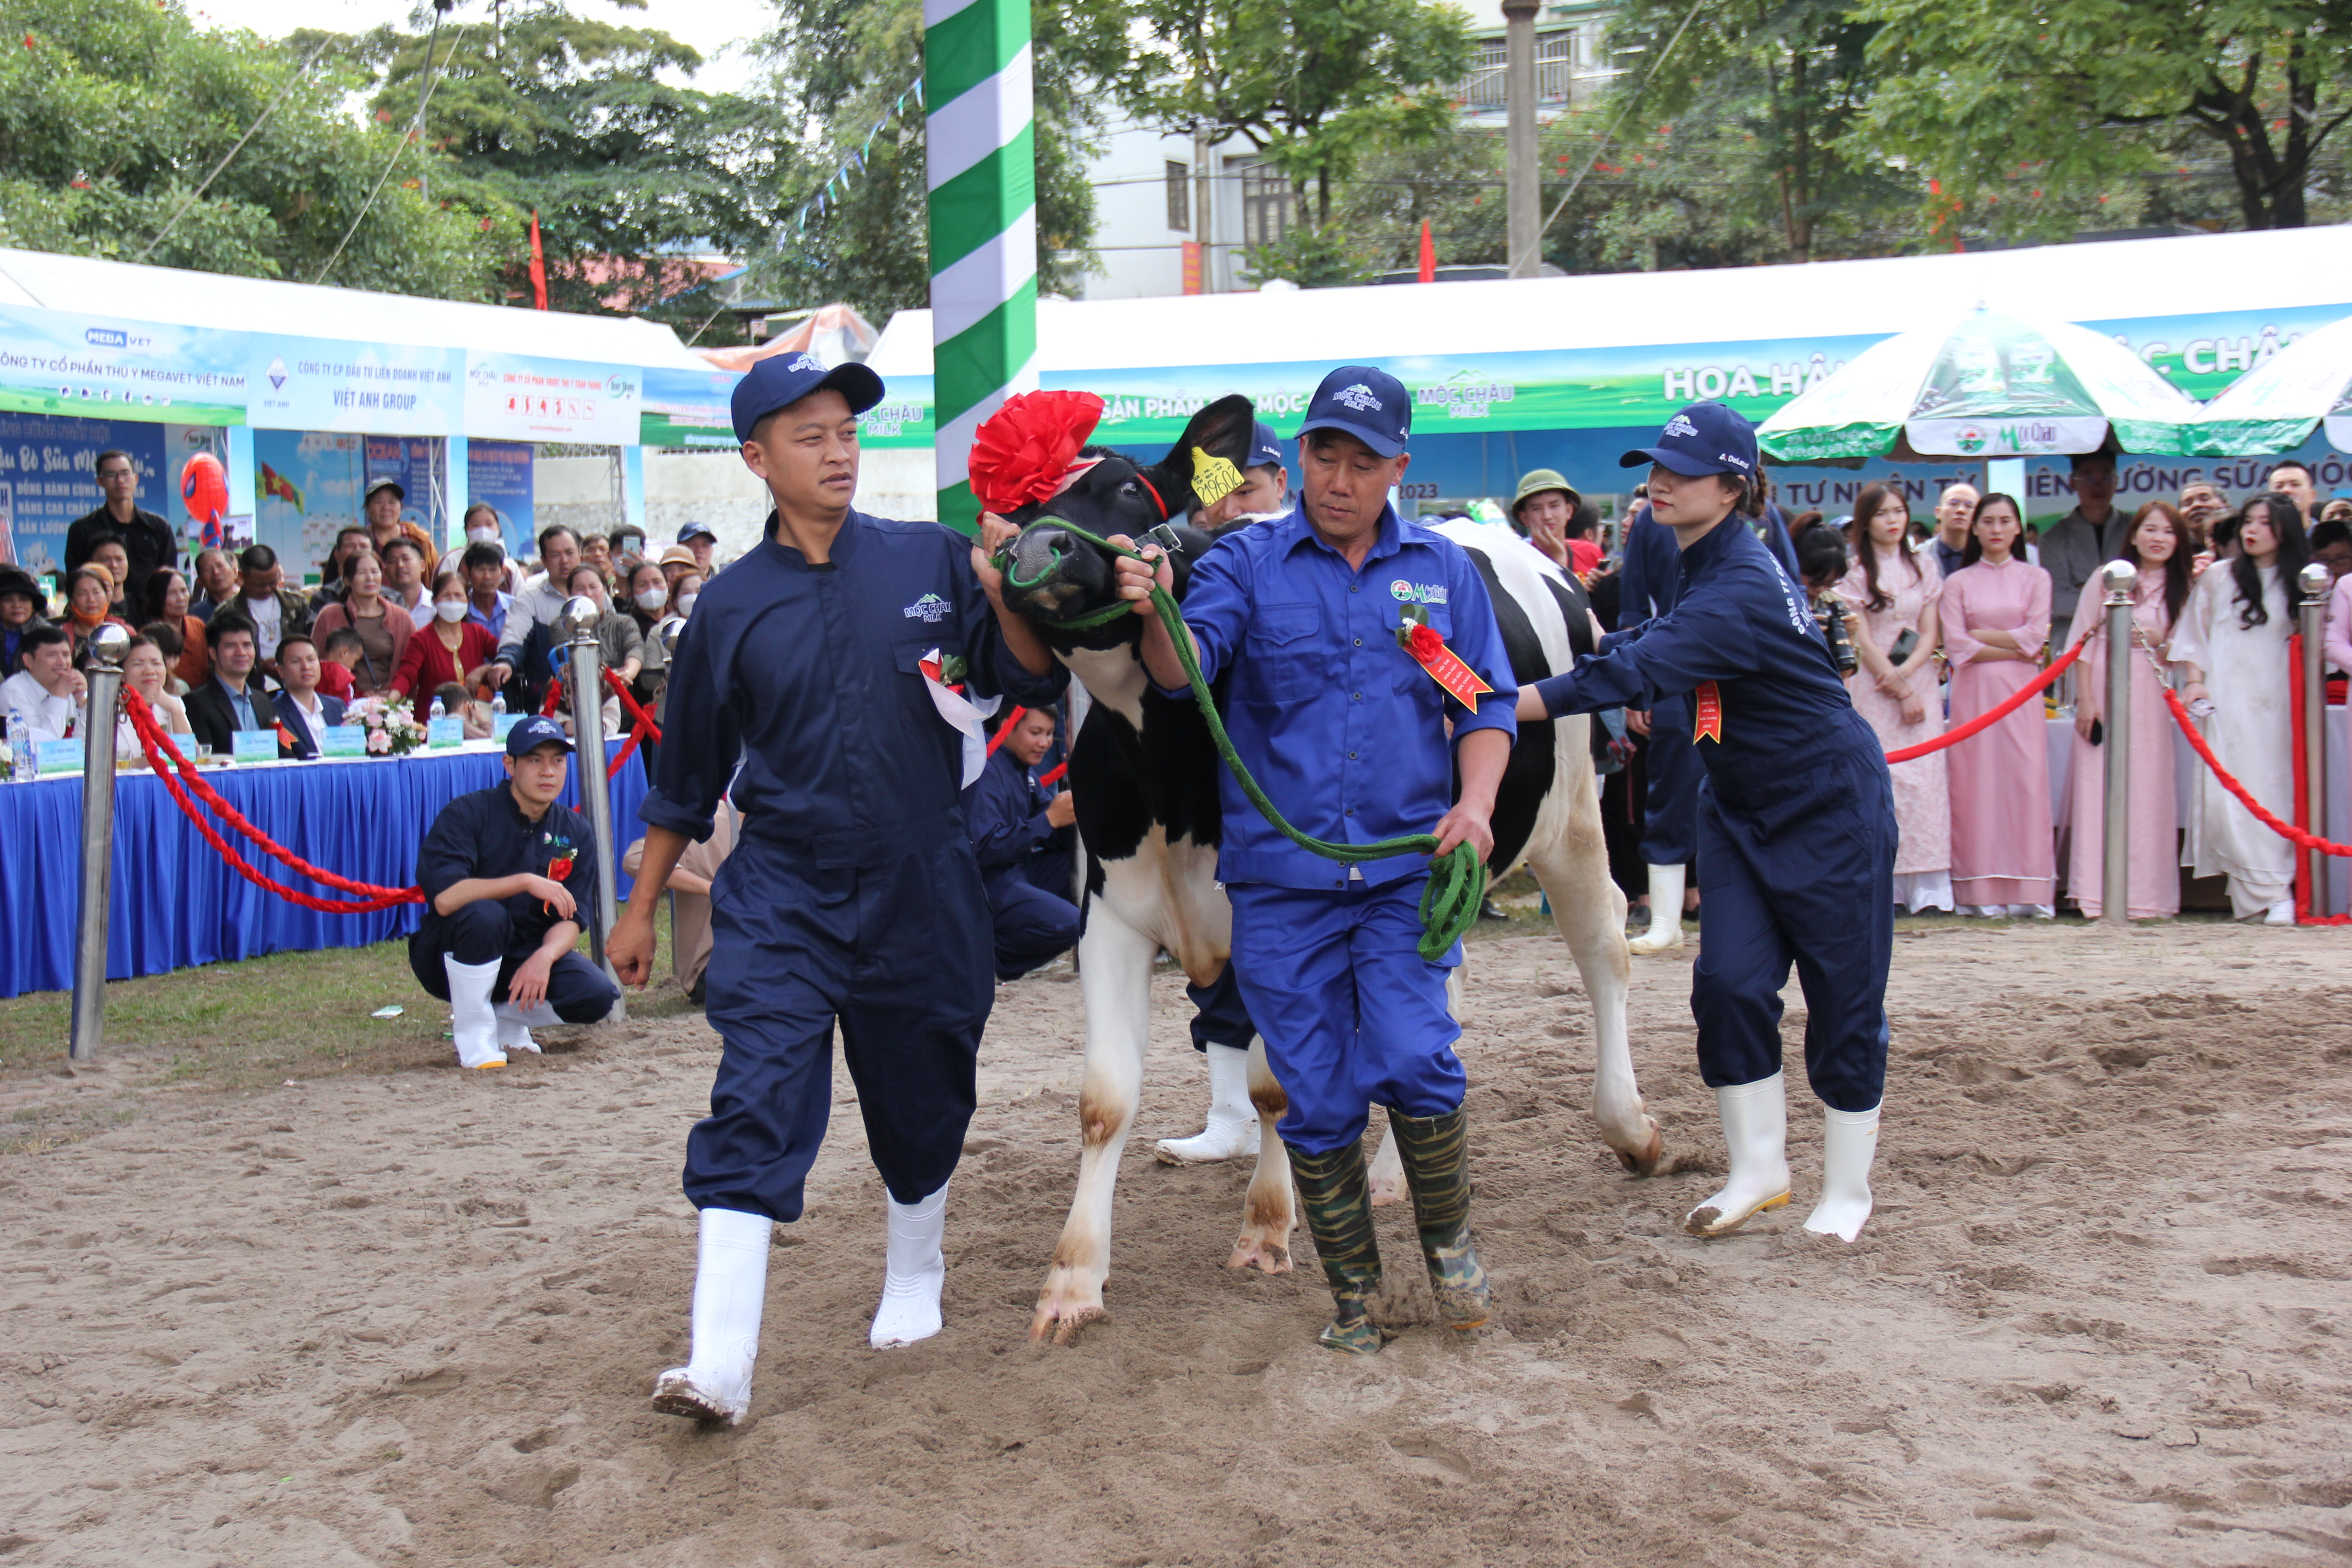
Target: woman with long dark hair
{"x": 2232, "y": 645}
{"x": 165, "y": 597}
{"x": 1894, "y": 588}
{"x": 2159, "y": 547}
{"x": 1995, "y": 615}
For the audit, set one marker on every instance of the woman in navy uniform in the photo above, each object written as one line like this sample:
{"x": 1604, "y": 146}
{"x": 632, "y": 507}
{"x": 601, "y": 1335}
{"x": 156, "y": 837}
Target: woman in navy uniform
{"x": 1796, "y": 827}
{"x": 818, "y": 686}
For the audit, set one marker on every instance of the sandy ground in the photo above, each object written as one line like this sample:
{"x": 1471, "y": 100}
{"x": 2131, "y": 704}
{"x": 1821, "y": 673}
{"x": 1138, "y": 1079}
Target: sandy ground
{"x": 2101, "y": 1315}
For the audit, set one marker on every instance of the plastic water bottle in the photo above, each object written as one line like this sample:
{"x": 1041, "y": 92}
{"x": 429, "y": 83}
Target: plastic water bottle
{"x": 435, "y": 713}
{"x": 498, "y": 706}
{"x": 20, "y": 748}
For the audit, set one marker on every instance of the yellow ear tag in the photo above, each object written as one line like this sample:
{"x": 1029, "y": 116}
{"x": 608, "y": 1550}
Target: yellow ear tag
{"x": 1213, "y": 478}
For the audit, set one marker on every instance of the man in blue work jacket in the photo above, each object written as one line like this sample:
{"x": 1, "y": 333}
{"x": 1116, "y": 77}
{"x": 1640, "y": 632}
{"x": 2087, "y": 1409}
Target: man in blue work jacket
{"x": 1649, "y": 580}
{"x": 1347, "y": 734}
{"x": 1796, "y": 827}
{"x": 820, "y": 686}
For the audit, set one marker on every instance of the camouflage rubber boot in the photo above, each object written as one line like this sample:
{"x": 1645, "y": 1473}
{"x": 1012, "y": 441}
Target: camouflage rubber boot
{"x": 1338, "y": 1204}
{"x": 1436, "y": 1155}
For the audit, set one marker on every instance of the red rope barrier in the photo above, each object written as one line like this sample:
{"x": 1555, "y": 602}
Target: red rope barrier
{"x": 1053, "y": 775}
{"x": 629, "y": 702}
{"x": 2261, "y": 813}
{"x": 1005, "y": 728}
{"x": 2000, "y": 710}
{"x": 158, "y": 746}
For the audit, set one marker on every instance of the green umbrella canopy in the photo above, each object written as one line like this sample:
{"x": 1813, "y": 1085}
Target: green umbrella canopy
{"x": 1983, "y": 384}
{"x": 2272, "y": 408}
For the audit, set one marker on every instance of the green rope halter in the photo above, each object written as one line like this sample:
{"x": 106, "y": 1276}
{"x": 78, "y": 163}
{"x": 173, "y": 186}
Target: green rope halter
{"x": 1457, "y": 882}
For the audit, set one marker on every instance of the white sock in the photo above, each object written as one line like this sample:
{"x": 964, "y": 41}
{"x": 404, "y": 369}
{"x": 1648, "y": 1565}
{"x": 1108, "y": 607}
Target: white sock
{"x": 914, "y": 1270}
{"x": 1849, "y": 1145}
{"x": 472, "y": 1025}
{"x": 1232, "y": 1129}
{"x": 730, "y": 1292}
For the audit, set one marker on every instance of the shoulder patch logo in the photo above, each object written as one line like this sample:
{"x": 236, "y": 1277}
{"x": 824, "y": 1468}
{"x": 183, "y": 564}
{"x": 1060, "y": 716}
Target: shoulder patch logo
{"x": 1680, "y": 425}
{"x": 1358, "y": 397}
{"x": 929, "y": 609}
{"x": 1417, "y": 592}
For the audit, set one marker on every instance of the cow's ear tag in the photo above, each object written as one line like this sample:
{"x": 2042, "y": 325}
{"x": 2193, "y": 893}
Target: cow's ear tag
{"x": 1213, "y": 478}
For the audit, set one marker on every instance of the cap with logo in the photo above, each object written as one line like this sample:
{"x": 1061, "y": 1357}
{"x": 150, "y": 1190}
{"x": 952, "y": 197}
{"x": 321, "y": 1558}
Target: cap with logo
{"x": 1704, "y": 438}
{"x": 1369, "y": 404}
{"x": 1266, "y": 448}
{"x": 783, "y": 380}
{"x": 529, "y": 734}
{"x": 1535, "y": 482}
{"x": 384, "y": 483}
{"x": 696, "y": 531}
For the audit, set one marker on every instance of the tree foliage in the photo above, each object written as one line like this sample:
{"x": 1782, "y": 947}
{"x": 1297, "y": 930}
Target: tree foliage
{"x": 2021, "y": 114}
{"x": 112, "y": 112}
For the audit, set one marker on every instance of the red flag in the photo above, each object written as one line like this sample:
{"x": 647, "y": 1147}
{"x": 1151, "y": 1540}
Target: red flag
{"x": 537, "y": 264}
{"x": 1428, "y": 254}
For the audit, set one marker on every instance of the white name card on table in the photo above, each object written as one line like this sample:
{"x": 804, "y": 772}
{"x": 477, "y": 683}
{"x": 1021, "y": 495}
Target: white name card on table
{"x": 58, "y": 756}
{"x": 344, "y": 741}
{"x": 253, "y": 745}
{"x": 445, "y": 731}
{"x": 501, "y": 722}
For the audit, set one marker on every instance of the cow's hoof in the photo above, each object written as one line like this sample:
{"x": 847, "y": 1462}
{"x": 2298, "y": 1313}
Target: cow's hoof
{"x": 1266, "y": 1254}
{"x": 1652, "y": 1158}
{"x": 1065, "y": 1306}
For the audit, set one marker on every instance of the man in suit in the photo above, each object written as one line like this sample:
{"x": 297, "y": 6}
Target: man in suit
{"x": 236, "y": 698}
{"x": 304, "y": 712}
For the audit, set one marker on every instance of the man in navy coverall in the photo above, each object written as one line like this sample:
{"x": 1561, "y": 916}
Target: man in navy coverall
{"x": 1021, "y": 832}
{"x": 1349, "y": 736}
{"x": 1796, "y": 828}
{"x": 829, "y": 663}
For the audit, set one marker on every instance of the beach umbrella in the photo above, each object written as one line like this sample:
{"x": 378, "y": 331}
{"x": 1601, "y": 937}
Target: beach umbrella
{"x": 1979, "y": 384}
{"x": 2272, "y": 408}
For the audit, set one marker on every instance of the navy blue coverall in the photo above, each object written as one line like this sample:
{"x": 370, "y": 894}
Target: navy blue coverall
{"x": 1796, "y": 817}
{"x": 486, "y": 834}
{"x": 1025, "y": 863}
{"x": 1648, "y": 583}
{"x": 852, "y": 895}
{"x": 1347, "y": 735}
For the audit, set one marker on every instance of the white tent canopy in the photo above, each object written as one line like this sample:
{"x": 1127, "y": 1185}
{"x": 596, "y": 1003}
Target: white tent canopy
{"x": 83, "y": 286}
{"x": 2196, "y": 275}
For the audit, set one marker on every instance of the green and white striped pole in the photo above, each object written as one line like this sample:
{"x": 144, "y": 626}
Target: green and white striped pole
{"x": 982, "y": 147}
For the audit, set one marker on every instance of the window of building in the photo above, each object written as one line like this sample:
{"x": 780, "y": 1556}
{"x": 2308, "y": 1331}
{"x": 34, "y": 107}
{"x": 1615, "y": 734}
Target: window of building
{"x": 1269, "y": 207}
{"x": 1179, "y": 196}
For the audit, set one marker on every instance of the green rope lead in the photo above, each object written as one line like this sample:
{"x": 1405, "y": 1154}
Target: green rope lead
{"x": 1457, "y": 882}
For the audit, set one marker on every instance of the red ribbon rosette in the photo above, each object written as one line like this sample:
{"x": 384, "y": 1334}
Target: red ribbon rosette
{"x": 1424, "y": 642}
{"x": 1428, "y": 649}
{"x": 559, "y": 869}
{"x": 1020, "y": 453}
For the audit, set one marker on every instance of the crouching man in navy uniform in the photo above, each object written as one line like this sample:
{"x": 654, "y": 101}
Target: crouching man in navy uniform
{"x": 1796, "y": 828}
{"x": 1021, "y": 832}
{"x": 831, "y": 662}
{"x": 498, "y": 868}
{"x": 1348, "y": 735}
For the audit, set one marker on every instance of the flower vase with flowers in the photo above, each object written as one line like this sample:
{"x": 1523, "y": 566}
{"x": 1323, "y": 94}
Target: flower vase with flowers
{"x": 390, "y": 724}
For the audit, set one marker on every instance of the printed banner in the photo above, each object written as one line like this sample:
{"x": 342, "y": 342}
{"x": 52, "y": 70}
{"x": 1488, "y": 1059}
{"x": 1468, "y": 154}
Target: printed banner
{"x": 903, "y": 417}
{"x": 2049, "y": 493}
{"x": 499, "y": 475}
{"x": 53, "y": 362}
{"x": 49, "y": 478}
{"x": 306, "y": 490}
{"x": 515, "y": 398}
{"x": 324, "y": 383}
{"x": 688, "y": 408}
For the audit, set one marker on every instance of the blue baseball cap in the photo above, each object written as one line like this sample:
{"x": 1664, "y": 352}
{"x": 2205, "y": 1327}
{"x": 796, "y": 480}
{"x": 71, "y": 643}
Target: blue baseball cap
{"x": 1369, "y": 404}
{"x": 529, "y": 734}
{"x": 696, "y": 531}
{"x": 784, "y": 380}
{"x": 1704, "y": 438}
{"x": 1266, "y": 448}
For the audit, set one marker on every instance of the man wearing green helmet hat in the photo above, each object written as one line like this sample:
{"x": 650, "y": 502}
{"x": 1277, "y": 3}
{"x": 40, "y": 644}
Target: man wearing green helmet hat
{"x": 1546, "y": 508}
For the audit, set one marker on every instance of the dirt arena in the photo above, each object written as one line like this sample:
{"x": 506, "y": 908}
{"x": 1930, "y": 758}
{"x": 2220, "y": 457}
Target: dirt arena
{"x": 2101, "y": 1315}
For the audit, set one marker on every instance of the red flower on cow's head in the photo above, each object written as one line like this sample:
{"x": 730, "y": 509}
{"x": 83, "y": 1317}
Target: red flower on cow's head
{"x": 1020, "y": 453}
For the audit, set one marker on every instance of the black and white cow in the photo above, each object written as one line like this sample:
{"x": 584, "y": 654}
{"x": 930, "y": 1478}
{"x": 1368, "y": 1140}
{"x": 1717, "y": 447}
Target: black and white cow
{"x": 1144, "y": 772}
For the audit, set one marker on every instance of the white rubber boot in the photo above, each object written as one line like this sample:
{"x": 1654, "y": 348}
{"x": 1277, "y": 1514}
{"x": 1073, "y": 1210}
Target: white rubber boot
{"x": 914, "y": 1270}
{"x": 1665, "y": 912}
{"x": 1849, "y": 1144}
{"x": 1231, "y": 1131}
{"x": 1756, "y": 1131}
{"x": 730, "y": 1289}
{"x": 472, "y": 1024}
{"x": 514, "y": 1025}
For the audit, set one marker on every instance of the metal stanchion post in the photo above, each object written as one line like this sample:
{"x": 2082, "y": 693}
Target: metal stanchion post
{"x": 2122, "y": 580}
{"x": 2317, "y": 584}
{"x": 578, "y": 619}
{"x": 108, "y": 647}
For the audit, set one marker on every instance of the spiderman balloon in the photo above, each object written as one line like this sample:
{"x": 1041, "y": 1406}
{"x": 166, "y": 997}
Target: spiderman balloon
{"x": 204, "y": 489}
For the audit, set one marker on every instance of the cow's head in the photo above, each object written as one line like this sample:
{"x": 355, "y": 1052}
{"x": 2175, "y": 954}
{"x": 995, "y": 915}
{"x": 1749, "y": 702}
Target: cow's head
{"x": 1057, "y": 580}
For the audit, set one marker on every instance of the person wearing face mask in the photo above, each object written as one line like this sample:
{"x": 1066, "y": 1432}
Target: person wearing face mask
{"x": 450, "y": 647}
{"x": 483, "y": 527}
{"x": 617, "y": 636}
{"x": 684, "y": 592}
{"x": 649, "y": 601}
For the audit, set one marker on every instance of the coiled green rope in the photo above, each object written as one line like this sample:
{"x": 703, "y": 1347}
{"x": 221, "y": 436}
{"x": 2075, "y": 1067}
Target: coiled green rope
{"x": 1457, "y": 880}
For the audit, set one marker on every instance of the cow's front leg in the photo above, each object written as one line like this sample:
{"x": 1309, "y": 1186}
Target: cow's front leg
{"x": 1269, "y": 1213}
{"x": 1114, "y": 977}
{"x": 1591, "y": 914}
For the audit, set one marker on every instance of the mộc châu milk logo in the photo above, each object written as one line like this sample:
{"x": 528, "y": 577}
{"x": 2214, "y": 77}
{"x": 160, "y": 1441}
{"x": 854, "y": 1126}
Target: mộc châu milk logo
{"x": 2030, "y": 435}
{"x": 1970, "y": 440}
{"x": 1680, "y": 425}
{"x": 928, "y": 609}
{"x": 1358, "y": 397}
{"x": 1417, "y": 592}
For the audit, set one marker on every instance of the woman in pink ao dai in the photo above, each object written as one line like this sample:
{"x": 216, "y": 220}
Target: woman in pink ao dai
{"x": 1895, "y": 590}
{"x": 1996, "y": 620}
